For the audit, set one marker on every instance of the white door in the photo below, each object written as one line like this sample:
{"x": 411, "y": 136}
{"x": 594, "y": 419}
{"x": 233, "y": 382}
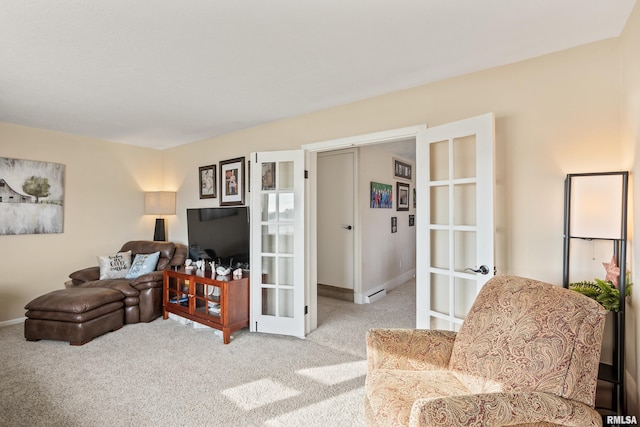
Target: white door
{"x": 455, "y": 223}
{"x": 335, "y": 218}
{"x": 277, "y": 242}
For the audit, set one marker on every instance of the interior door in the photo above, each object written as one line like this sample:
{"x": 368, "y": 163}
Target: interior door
{"x": 277, "y": 243}
{"x": 455, "y": 219}
{"x": 335, "y": 218}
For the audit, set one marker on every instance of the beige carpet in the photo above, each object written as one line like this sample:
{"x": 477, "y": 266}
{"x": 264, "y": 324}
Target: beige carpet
{"x": 167, "y": 374}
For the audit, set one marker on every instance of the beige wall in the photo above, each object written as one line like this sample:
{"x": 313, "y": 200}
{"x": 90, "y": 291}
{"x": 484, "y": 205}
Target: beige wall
{"x": 103, "y": 208}
{"x": 630, "y": 60}
{"x": 556, "y": 114}
{"x": 562, "y": 113}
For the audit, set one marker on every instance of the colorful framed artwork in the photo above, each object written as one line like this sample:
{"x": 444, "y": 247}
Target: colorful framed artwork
{"x": 232, "y": 182}
{"x": 381, "y": 195}
{"x": 402, "y": 190}
{"x": 207, "y": 182}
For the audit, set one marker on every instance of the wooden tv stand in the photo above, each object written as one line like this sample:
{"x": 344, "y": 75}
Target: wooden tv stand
{"x": 193, "y": 294}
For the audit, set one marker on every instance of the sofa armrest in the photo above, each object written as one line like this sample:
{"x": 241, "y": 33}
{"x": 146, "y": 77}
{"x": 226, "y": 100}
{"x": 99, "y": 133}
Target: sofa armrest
{"x": 495, "y": 409}
{"x": 408, "y": 349}
{"x": 88, "y": 274}
{"x": 147, "y": 281}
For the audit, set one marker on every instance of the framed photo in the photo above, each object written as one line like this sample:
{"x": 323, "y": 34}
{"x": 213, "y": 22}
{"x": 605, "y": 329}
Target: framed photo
{"x": 207, "y": 182}
{"x": 232, "y": 182}
{"x": 402, "y": 189}
{"x": 381, "y": 195}
{"x": 269, "y": 176}
{"x": 401, "y": 169}
{"x": 412, "y": 220}
{"x": 394, "y": 224}
{"x": 31, "y": 197}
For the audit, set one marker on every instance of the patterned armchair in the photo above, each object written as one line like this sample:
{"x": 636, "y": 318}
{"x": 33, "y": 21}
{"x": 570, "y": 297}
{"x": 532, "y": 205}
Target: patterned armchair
{"x": 527, "y": 354}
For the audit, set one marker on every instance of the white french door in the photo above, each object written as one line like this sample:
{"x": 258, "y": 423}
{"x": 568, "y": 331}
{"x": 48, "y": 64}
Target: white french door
{"x": 455, "y": 219}
{"x": 277, "y": 243}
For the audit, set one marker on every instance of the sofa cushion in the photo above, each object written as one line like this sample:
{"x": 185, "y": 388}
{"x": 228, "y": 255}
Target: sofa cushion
{"x": 143, "y": 264}
{"x": 166, "y": 249}
{"x": 391, "y": 393}
{"x": 74, "y": 300}
{"x": 114, "y": 266}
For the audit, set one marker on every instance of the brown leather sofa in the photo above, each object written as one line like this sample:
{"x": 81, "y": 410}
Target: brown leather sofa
{"x": 142, "y": 295}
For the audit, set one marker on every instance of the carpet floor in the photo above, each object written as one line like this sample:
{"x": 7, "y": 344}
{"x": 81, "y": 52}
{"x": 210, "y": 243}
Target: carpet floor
{"x": 165, "y": 373}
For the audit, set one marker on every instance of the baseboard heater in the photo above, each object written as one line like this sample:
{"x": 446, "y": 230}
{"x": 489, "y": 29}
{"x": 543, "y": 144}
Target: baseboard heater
{"x": 376, "y": 296}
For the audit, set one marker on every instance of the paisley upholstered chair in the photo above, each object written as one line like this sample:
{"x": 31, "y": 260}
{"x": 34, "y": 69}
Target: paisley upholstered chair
{"x": 527, "y": 354}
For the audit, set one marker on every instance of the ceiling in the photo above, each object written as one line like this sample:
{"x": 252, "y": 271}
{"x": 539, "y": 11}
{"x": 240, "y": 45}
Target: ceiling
{"x": 161, "y": 74}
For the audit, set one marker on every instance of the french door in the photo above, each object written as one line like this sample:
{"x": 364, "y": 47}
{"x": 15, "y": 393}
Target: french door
{"x": 455, "y": 223}
{"x": 277, "y": 243}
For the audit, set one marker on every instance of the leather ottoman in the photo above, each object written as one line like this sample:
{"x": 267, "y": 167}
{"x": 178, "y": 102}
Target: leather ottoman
{"x": 76, "y": 315}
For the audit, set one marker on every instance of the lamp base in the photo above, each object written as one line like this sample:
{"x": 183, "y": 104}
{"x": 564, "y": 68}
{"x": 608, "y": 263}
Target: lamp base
{"x": 159, "y": 235}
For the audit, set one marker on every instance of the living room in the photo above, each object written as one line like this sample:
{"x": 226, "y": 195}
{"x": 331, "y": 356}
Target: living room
{"x": 576, "y": 110}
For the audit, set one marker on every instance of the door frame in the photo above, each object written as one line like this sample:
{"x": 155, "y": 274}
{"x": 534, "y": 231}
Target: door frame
{"x": 311, "y": 150}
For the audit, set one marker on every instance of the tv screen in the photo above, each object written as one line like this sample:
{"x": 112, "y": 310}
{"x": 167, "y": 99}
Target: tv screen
{"x": 220, "y": 235}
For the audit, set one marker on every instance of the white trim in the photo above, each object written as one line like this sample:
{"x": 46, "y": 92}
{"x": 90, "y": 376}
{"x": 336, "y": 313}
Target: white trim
{"x": 365, "y": 139}
{"x": 12, "y": 322}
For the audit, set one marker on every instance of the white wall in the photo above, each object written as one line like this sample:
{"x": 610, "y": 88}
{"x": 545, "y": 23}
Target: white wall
{"x": 386, "y": 256}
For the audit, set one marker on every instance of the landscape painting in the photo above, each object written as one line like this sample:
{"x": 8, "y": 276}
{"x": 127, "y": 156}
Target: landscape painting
{"x": 31, "y": 197}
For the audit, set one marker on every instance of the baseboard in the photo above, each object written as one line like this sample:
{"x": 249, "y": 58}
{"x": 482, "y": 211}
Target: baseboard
{"x": 376, "y": 296}
{"x": 12, "y": 322}
{"x": 380, "y": 291}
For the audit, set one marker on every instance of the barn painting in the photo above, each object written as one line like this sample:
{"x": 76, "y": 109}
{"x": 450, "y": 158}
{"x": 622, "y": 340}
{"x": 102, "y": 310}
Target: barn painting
{"x": 31, "y": 197}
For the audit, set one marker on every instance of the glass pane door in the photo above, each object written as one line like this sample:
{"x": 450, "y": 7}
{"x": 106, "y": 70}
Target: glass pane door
{"x": 277, "y": 267}
{"x": 455, "y": 221}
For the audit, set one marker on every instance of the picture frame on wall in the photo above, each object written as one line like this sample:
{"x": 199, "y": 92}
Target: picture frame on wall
{"x": 394, "y": 224}
{"x": 268, "y": 176}
{"x": 402, "y": 169}
{"x": 381, "y": 195}
{"x": 232, "y": 182}
{"x": 207, "y": 180}
{"x": 402, "y": 190}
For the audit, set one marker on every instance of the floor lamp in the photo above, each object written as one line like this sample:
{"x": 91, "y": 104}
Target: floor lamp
{"x": 160, "y": 203}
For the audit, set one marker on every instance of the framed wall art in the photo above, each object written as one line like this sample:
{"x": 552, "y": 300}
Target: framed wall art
{"x": 394, "y": 224}
{"x": 381, "y": 195}
{"x": 402, "y": 189}
{"x": 232, "y": 182}
{"x": 269, "y": 176}
{"x": 208, "y": 182}
{"x": 31, "y": 197}
{"x": 401, "y": 169}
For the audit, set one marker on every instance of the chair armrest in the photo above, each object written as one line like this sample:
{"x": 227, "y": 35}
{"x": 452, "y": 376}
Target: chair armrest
{"x": 88, "y": 274}
{"x": 409, "y": 349}
{"x": 147, "y": 281}
{"x": 496, "y": 409}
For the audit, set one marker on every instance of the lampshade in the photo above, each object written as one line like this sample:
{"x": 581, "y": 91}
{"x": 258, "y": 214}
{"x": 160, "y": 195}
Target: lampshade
{"x": 160, "y": 203}
{"x": 596, "y": 206}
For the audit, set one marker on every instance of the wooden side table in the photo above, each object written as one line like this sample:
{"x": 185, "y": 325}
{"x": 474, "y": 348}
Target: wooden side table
{"x": 218, "y": 302}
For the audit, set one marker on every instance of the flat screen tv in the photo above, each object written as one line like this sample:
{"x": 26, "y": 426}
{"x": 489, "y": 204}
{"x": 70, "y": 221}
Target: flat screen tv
{"x": 220, "y": 235}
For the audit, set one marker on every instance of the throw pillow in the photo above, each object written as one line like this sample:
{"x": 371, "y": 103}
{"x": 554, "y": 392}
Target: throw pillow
{"x": 114, "y": 266}
{"x": 143, "y": 264}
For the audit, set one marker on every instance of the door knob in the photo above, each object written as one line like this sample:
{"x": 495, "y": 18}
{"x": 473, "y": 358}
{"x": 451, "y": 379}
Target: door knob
{"x": 483, "y": 269}
{"x": 347, "y": 227}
